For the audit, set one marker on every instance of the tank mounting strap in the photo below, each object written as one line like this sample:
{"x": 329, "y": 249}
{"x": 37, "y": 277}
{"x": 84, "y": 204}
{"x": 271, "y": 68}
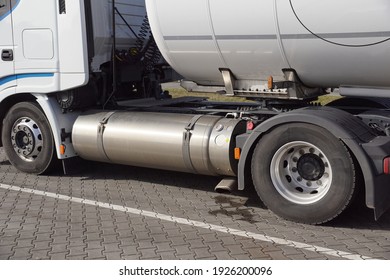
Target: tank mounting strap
{"x": 100, "y": 132}
{"x": 186, "y": 143}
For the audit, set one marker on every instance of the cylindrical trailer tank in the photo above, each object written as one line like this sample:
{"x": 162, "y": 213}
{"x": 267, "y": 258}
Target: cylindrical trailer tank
{"x": 328, "y": 43}
{"x": 197, "y": 144}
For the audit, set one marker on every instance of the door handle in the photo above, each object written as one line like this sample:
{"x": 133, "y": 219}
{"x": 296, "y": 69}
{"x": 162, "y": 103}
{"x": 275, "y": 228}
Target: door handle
{"x": 7, "y": 55}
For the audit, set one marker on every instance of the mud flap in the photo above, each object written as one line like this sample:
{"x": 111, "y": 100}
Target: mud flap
{"x": 381, "y": 195}
{"x": 378, "y": 192}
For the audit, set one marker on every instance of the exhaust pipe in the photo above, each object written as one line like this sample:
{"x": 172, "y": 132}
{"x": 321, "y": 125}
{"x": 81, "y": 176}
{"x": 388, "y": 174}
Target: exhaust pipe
{"x": 227, "y": 185}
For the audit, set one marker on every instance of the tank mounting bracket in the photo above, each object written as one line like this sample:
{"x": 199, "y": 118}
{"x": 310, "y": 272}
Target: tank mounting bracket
{"x": 229, "y": 81}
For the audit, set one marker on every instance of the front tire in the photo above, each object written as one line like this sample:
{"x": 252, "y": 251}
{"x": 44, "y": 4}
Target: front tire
{"x": 27, "y": 139}
{"x": 303, "y": 173}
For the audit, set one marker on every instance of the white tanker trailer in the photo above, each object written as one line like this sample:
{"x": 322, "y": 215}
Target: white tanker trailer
{"x": 82, "y": 79}
{"x": 330, "y": 44}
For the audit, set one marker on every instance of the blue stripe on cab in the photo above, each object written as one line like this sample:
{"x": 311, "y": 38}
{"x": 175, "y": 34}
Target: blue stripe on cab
{"x": 11, "y": 78}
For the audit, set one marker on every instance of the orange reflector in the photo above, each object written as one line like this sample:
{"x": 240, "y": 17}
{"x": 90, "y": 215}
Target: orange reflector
{"x": 270, "y": 82}
{"x": 62, "y": 149}
{"x": 386, "y": 166}
{"x": 237, "y": 153}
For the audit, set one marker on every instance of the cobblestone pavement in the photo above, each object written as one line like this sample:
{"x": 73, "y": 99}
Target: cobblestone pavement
{"x": 118, "y": 212}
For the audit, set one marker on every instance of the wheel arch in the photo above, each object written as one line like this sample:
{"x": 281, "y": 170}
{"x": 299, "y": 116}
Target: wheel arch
{"x": 61, "y": 124}
{"x": 344, "y": 126}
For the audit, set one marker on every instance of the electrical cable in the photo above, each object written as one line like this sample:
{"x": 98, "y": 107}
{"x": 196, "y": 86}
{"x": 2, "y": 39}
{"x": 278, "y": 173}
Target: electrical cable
{"x": 332, "y": 42}
{"x": 127, "y": 24}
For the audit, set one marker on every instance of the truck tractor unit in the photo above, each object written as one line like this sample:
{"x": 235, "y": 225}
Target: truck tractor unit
{"x": 82, "y": 79}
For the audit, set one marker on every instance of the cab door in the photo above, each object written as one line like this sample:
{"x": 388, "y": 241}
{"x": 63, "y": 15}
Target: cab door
{"x": 7, "y": 71}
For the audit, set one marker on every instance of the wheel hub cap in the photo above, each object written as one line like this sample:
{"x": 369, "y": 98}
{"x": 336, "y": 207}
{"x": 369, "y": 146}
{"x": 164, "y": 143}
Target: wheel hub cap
{"x": 26, "y": 139}
{"x": 311, "y": 167}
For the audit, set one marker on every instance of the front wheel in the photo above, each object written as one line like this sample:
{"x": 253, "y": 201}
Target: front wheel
{"x": 303, "y": 173}
{"x": 27, "y": 139}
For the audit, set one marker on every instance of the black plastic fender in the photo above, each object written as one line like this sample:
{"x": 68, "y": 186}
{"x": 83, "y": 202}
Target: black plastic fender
{"x": 368, "y": 148}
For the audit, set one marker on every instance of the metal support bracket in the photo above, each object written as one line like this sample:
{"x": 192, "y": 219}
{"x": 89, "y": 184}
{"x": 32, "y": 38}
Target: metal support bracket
{"x": 229, "y": 81}
{"x": 296, "y": 88}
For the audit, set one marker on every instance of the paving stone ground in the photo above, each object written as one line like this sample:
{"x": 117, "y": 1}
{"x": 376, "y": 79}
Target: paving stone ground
{"x": 40, "y": 227}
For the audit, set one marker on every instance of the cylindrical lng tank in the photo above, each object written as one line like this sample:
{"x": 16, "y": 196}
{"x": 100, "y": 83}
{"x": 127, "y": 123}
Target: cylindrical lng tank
{"x": 328, "y": 43}
{"x": 197, "y": 144}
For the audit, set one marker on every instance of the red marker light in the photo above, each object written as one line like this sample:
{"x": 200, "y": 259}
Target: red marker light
{"x": 250, "y": 125}
{"x": 386, "y": 166}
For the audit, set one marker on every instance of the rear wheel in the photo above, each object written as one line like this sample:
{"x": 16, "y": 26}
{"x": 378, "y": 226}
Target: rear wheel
{"x": 27, "y": 139}
{"x": 303, "y": 173}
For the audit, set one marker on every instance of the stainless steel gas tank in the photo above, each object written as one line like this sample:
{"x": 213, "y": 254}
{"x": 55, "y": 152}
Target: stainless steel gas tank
{"x": 197, "y": 144}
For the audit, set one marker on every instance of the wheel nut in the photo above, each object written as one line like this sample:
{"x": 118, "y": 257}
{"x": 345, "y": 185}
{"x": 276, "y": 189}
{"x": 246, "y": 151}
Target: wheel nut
{"x": 294, "y": 169}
